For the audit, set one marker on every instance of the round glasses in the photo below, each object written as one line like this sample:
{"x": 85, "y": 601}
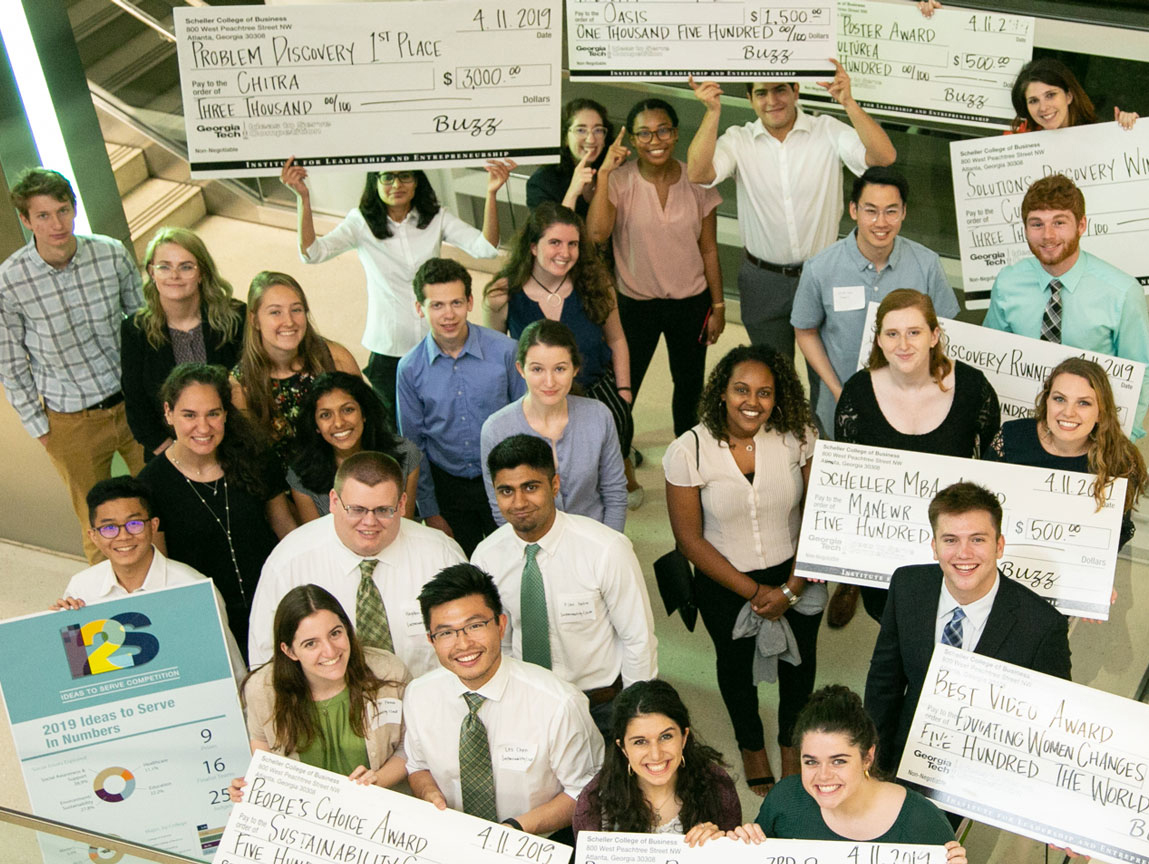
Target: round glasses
{"x": 588, "y": 131}
{"x": 112, "y": 530}
{"x": 188, "y": 268}
{"x": 664, "y": 133}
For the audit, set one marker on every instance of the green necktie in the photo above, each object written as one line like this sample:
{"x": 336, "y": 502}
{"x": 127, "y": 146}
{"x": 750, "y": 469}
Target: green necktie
{"x": 370, "y": 616}
{"x": 476, "y": 777}
{"x": 533, "y": 612}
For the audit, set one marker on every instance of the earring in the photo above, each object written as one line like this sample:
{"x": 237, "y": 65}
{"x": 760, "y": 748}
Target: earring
{"x": 629, "y": 769}
{"x": 683, "y": 760}
{"x": 866, "y": 773}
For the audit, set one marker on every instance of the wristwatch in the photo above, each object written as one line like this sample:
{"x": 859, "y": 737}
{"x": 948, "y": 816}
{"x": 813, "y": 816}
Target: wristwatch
{"x": 791, "y": 597}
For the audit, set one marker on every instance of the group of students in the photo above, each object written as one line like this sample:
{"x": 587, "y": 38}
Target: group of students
{"x": 275, "y": 470}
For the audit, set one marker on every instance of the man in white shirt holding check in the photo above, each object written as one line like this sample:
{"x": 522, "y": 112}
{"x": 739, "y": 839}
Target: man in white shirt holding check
{"x": 572, "y": 587}
{"x": 370, "y": 558}
{"x": 488, "y": 734}
{"x": 788, "y": 170}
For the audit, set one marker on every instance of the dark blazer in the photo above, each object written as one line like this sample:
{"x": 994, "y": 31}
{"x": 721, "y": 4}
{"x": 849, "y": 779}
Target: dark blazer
{"x": 1022, "y": 629}
{"x": 144, "y": 370}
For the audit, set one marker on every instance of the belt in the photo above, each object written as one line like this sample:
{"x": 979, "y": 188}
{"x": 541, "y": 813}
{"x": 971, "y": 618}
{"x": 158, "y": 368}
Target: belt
{"x": 791, "y": 270}
{"x": 602, "y": 695}
{"x": 107, "y": 402}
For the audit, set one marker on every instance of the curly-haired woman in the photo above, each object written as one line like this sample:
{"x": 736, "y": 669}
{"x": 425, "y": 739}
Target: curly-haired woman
{"x": 735, "y": 485}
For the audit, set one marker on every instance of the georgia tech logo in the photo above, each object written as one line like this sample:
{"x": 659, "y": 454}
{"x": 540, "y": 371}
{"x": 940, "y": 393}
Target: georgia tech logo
{"x": 109, "y": 644}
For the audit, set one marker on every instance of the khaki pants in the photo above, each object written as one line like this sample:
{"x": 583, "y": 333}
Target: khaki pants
{"x": 81, "y": 446}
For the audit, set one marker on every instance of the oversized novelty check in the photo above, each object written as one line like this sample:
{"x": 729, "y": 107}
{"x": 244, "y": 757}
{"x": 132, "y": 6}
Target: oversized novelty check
{"x": 298, "y": 813}
{"x": 1033, "y": 754}
{"x": 601, "y": 847}
{"x": 957, "y": 67}
{"x": 1017, "y": 366}
{"x": 362, "y": 85}
{"x": 731, "y": 40}
{"x": 866, "y": 515}
{"x": 991, "y": 175}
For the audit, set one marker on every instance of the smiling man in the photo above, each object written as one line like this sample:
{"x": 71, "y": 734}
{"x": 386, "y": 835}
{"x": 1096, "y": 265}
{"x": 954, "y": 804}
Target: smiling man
{"x": 787, "y": 167}
{"x": 975, "y": 608}
{"x": 1064, "y": 294}
{"x": 62, "y": 299}
{"x": 573, "y": 587}
{"x": 486, "y": 733}
{"x": 448, "y": 385}
{"x": 371, "y": 559}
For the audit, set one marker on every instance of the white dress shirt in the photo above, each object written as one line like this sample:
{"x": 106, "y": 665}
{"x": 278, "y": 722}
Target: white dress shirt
{"x": 393, "y": 326}
{"x": 598, "y": 609}
{"x": 541, "y": 737}
{"x": 790, "y": 191}
{"x": 976, "y": 614}
{"x": 98, "y": 584}
{"x": 314, "y": 554}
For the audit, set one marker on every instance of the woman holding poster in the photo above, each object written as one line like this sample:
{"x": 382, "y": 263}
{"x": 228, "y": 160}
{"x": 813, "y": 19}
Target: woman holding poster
{"x": 838, "y": 797}
{"x": 1047, "y": 95}
{"x": 324, "y": 699}
{"x": 911, "y": 396}
{"x": 735, "y": 486}
{"x": 397, "y": 226}
{"x": 658, "y": 778}
{"x": 1076, "y": 428}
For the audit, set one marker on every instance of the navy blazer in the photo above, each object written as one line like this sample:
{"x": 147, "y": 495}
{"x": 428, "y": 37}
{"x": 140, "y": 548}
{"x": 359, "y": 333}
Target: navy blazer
{"x": 144, "y": 370}
{"x": 1022, "y": 629}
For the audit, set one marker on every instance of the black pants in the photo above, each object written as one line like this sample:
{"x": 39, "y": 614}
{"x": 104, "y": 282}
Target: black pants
{"x": 381, "y": 372}
{"x": 463, "y": 503}
{"x": 719, "y": 608}
{"x": 681, "y": 322}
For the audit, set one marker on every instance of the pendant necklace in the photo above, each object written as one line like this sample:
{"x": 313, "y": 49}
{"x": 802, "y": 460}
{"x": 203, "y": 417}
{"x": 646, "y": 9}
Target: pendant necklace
{"x": 553, "y": 298}
{"x": 225, "y": 528}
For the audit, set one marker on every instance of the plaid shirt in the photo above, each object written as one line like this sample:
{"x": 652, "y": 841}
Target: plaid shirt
{"x": 60, "y": 329}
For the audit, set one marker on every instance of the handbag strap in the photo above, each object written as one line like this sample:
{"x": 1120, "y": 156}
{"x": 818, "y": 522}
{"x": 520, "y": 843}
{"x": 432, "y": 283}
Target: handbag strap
{"x": 697, "y": 459}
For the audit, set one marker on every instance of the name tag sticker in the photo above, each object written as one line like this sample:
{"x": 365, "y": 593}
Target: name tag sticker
{"x": 576, "y": 607}
{"x": 387, "y": 710}
{"x": 516, "y": 757}
{"x": 413, "y": 620}
{"x": 848, "y": 298}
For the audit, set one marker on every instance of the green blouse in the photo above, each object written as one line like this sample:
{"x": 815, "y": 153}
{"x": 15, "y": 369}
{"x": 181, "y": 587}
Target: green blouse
{"x": 336, "y": 748}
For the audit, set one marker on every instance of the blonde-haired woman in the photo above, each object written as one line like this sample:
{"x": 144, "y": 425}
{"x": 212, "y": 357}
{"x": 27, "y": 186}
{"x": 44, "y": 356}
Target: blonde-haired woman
{"x": 188, "y": 316}
{"x": 282, "y": 354}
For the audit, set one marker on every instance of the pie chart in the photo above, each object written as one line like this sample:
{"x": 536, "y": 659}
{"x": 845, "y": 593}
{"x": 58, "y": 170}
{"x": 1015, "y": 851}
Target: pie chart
{"x": 114, "y": 784}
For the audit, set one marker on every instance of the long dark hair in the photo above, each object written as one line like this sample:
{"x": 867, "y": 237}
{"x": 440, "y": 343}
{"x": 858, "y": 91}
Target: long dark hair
{"x": 791, "y": 408}
{"x": 1046, "y": 70}
{"x": 566, "y": 160}
{"x": 296, "y": 720}
{"x": 619, "y": 797}
{"x": 315, "y": 463}
{"x": 243, "y": 449}
{"x": 589, "y": 276}
{"x": 425, "y": 202}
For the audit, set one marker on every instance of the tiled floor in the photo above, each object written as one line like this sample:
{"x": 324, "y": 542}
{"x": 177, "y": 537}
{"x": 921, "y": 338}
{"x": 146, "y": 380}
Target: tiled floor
{"x": 1109, "y": 656}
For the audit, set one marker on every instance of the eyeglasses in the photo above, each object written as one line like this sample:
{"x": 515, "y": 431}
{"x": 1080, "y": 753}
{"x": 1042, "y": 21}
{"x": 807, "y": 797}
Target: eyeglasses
{"x": 188, "y": 268}
{"x": 390, "y": 178}
{"x": 448, "y": 635}
{"x": 867, "y": 214}
{"x": 664, "y": 133}
{"x": 112, "y": 531}
{"x": 588, "y": 131}
{"x": 383, "y": 514}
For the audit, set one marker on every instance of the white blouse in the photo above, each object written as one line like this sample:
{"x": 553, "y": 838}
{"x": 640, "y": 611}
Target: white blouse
{"x": 754, "y": 525}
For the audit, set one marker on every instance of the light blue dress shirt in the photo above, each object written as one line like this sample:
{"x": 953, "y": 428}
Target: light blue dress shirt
{"x": 911, "y": 265}
{"x": 1102, "y": 309}
{"x": 443, "y": 402}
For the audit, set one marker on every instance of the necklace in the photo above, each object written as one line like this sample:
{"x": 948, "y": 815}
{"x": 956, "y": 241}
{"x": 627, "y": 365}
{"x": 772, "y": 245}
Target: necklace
{"x": 553, "y": 298}
{"x": 225, "y": 528}
{"x": 657, "y": 808}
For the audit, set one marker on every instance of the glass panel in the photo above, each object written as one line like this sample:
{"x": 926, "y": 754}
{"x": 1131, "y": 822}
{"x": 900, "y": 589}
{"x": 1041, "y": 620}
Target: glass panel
{"x": 35, "y": 841}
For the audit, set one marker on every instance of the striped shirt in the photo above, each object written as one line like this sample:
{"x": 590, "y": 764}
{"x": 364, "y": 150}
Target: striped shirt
{"x": 60, "y": 328}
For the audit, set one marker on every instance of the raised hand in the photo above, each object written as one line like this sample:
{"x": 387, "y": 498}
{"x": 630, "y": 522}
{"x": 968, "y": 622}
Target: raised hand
{"x": 709, "y": 93}
{"x": 616, "y": 155}
{"x": 582, "y": 178}
{"x": 839, "y": 88}
{"x": 498, "y": 172}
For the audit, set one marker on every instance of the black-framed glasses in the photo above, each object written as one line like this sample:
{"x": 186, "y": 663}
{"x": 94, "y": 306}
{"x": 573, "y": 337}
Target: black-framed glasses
{"x": 664, "y": 133}
{"x": 448, "y": 635}
{"x": 390, "y": 178}
{"x": 383, "y": 514}
{"x": 111, "y": 531}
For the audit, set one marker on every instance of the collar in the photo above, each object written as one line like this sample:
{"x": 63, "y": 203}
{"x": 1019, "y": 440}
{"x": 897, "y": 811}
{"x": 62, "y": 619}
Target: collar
{"x": 470, "y": 346}
{"x": 1069, "y": 279}
{"x": 549, "y": 542}
{"x": 802, "y": 123}
{"x": 494, "y": 689}
{"x": 41, "y": 264}
{"x": 977, "y": 611}
{"x": 156, "y": 578}
{"x": 861, "y": 262}
{"x": 412, "y": 216}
